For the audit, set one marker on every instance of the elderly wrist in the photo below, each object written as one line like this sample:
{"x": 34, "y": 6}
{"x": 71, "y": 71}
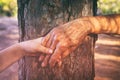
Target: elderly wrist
{"x": 89, "y": 27}
{"x": 84, "y": 22}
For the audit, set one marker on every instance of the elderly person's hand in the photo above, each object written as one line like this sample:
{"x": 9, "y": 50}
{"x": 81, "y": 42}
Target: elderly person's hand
{"x": 63, "y": 40}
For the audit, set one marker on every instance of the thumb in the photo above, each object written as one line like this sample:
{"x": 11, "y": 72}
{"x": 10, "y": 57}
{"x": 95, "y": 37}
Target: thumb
{"x": 45, "y": 50}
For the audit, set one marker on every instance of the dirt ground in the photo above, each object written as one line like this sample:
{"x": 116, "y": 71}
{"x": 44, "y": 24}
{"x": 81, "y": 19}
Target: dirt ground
{"x": 107, "y": 57}
{"x": 107, "y": 52}
{"x": 8, "y": 36}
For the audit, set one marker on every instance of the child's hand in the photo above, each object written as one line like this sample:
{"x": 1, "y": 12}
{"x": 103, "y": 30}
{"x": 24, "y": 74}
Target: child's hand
{"x": 34, "y": 47}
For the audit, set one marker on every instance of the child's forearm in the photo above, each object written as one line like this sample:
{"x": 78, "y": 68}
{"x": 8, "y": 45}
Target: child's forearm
{"x": 27, "y": 48}
{"x": 10, "y": 55}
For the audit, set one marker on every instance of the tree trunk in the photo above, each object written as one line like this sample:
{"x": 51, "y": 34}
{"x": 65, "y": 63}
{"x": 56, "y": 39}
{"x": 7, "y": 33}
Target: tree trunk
{"x": 36, "y": 18}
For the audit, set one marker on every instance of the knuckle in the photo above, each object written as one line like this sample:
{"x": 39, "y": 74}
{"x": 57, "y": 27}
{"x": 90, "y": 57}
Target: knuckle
{"x": 59, "y": 57}
{"x": 55, "y": 30}
{"x": 51, "y": 61}
{"x": 55, "y": 38}
{"x": 64, "y": 44}
{"x": 58, "y": 34}
{"x": 75, "y": 42}
{"x": 55, "y": 57}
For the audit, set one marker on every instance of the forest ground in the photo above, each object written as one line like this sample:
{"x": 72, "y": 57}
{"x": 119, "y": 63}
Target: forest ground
{"x": 107, "y": 52}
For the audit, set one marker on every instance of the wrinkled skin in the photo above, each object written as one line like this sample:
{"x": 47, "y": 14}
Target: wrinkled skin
{"x": 63, "y": 40}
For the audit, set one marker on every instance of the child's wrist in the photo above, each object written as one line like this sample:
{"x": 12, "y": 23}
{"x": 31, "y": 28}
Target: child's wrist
{"x": 21, "y": 49}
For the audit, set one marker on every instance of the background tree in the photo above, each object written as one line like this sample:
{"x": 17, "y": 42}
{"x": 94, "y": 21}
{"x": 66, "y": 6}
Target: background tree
{"x": 36, "y": 18}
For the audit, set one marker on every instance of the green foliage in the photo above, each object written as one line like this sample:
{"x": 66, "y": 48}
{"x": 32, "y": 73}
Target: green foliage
{"x": 8, "y": 7}
{"x": 109, "y": 6}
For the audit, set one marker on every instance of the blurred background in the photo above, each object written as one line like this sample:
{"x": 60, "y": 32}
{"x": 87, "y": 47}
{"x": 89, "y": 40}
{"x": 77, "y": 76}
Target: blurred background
{"x": 8, "y": 8}
{"x": 109, "y": 6}
{"x": 107, "y": 49}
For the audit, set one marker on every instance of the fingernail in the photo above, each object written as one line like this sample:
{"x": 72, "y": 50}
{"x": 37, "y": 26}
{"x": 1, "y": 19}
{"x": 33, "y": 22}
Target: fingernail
{"x": 40, "y": 59}
{"x": 51, "y": 51}
{"x": 43, "y": 65}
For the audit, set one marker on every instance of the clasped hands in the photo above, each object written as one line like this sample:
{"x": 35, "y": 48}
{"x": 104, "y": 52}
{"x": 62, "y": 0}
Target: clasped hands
{"x": 60, "y": 43}
{"x": 62, "y": 40}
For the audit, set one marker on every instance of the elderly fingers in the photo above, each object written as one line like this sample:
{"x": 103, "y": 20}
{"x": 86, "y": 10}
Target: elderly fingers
{"x": 44, "y": 41}
{"x": 54, "y": 58}
{"x": 41, "y": 58}
{"x": 45, "y": 61}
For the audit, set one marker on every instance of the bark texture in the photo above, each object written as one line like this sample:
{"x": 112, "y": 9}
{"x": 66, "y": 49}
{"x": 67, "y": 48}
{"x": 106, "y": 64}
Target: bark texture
{"x": 36, "y": 18}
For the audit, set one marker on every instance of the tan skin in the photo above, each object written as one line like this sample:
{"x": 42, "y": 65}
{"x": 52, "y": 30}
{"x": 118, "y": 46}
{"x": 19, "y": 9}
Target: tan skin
{"x": 66, "y": 38}
{"x": 62, "y": 40}
{"x": 28, "y": 48}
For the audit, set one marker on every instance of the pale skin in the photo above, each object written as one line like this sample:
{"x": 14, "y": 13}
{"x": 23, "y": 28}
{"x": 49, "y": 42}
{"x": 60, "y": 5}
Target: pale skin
{"x": 66, "y": 38}
{"x": 60, "y": 41}
{"x": 27, "y": 48}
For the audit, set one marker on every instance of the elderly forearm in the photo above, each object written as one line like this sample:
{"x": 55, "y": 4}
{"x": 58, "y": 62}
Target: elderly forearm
{"x": 103, "y": 24}
{"x": 79, "y": 28}
{"x": 9, "y": 56}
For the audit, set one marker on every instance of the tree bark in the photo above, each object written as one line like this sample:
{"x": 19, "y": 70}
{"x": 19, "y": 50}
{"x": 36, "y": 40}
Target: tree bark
{"x": 36, "y": 18}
